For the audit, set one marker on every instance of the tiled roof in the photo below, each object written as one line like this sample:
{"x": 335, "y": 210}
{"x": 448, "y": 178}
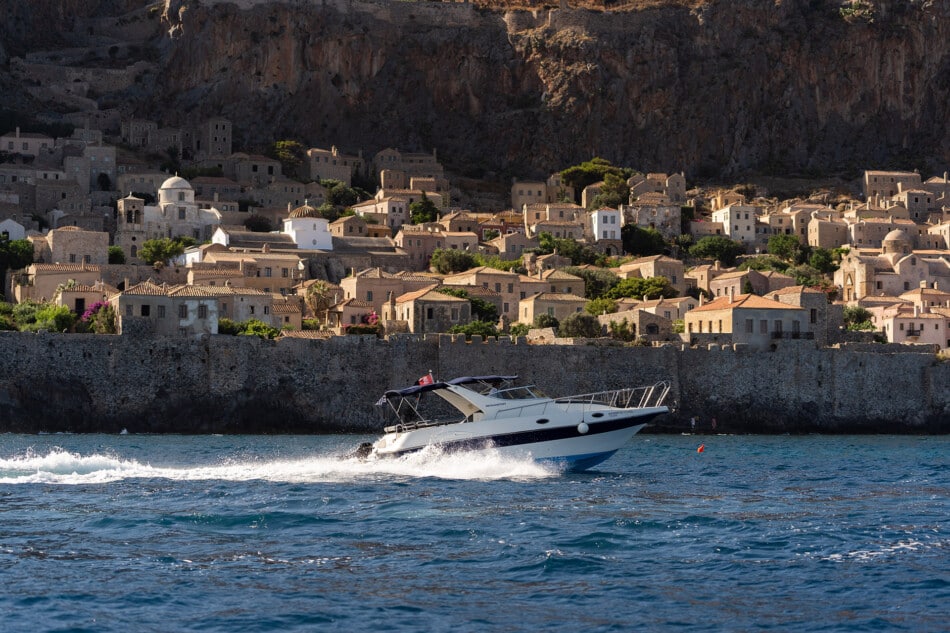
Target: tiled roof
{"x": 556, "y": 296}
{"x": 307, "y": 334}
{"x": 750, "y": 301}
{"x": 66, "y": 268}
{"x": 147, "y": 288}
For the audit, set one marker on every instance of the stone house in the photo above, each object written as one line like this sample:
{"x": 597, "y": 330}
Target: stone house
{"x": 555, "y": 304}
{"x": 331, "y": 164}
{"x": 40, "y": 282}
{"x": 282, "y": 192}
{"x": 672, "y": 186}
{"x": 427, "y": 310}
{"x": 411, "y": 163}
{"x": 533, "y": 214}
{"x": 217, "y": 188}
{"x": 374, "y": 285}
{"x": 738, "y": 222}
{"x": 562, "y": 282}
{"x": 212, "y": 276}
{"x": 746, "y": 319}
{"x": 828, "y": 233}
{"x": 140, "y": 182}
{"x": 871, "y": 233}
{"x": 512, "y": 245}
{"x": 657, "y": 266}
{"x": 459, "y": 222}
{"x": 651, "y": 211}
{"x": 79, "y": 297}
{"x": 938, "y": 237}
{"x": 348, "y": 312}
{"x": 740, "y": 281}
{"x": 914, "y": 326}
{"x": 11, "y": 230}
{"x": 265, "y": 271}
{"x": 537, "y": 192}
{"x": 703, "y": 274}
{"x": 640, "y": 323}
{"x": 669, "y": 309}
{"x": 419, "y": 241}
{"x": 509, "y": 285}
{"x": 557, "y": 228}
{"x": 888, "y": 183}
{"x": 351, "y": 226}
{"x": 825, "y": 319}
{"x": 391, "y": 211}
{"x": 288, "y": 313}
{"x": 71, "y": 245}
{"x": 461, "y": 240}
{"x": 25, "y": 143}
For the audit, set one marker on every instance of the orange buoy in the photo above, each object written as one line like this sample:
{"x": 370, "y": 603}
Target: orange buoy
{"x": 701, "y": 448}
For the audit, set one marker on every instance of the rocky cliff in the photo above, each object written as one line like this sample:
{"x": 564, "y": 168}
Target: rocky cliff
{"x": 714, "y": 87}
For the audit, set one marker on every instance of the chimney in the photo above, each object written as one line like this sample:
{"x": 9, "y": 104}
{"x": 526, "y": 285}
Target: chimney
{"x": 916, "y": 311}
{"x": 702, "y": 298}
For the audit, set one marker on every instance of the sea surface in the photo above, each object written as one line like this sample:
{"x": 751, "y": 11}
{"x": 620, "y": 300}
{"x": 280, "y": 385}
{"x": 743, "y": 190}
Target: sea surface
{"x": 284, "y": 533}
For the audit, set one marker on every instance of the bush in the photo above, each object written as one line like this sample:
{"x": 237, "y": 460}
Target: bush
{"x": 256, "y": 327}
{"x": 481, "y": 328}
{"x": 546, "y": 320}
{"x": 580, "y": 325}
{"x": 446, "y": 261}
{"x": 376, "y": 329}
{"x": 227, "y": 326}
{"x": 52, "y": 318}
{"x": 518, "y": 329}
{"x": 116, "y": 255}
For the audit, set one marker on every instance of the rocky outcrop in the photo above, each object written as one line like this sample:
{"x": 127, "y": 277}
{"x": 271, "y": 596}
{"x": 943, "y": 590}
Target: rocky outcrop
{"x": 715, "y": 87}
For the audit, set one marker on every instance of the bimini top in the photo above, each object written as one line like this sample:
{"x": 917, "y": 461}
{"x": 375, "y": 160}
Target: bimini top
{"x": 464, "y": 380}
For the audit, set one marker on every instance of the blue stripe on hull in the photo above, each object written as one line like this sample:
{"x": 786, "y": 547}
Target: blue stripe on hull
{"x": 578, "y": 463}
{"x": 537, "y": 436}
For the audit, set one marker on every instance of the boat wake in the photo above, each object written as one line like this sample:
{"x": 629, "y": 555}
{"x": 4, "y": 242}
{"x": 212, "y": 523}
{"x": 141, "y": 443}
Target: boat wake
{"x": 59, "y": 466}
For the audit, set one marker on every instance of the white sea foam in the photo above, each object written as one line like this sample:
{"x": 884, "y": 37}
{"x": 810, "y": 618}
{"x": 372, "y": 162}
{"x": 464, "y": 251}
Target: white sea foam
{"x": 63, "y": 467}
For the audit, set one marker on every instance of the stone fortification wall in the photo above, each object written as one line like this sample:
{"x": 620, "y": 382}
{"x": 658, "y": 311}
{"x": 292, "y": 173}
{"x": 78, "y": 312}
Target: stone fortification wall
{"x": 87, "y": 383}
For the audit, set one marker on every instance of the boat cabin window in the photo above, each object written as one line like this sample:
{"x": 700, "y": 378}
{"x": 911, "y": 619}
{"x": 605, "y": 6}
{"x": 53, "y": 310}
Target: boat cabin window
{"x": 518, "y": 393}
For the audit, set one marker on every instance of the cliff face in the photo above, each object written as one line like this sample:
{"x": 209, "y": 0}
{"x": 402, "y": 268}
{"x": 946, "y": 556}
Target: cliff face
{"x": 718, "y": 87}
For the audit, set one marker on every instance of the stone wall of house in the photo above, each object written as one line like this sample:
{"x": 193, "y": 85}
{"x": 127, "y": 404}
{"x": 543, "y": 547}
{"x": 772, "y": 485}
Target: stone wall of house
{"x": 224, "y": 384}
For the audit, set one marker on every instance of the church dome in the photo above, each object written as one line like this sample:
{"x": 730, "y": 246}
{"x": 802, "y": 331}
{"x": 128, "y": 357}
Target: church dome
{"x": 897, "y": 235}
{"x": 305, "y": 211}
{"x": 175, "y": 182}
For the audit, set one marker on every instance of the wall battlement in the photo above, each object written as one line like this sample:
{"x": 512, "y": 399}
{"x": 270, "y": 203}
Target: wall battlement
{"x": 96, "y": 383}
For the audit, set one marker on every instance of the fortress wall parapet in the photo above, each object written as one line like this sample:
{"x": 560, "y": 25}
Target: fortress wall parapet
{"x": 82, "y": 383}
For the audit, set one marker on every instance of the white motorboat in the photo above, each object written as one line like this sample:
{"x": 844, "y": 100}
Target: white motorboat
{"x": 491, "y": 413}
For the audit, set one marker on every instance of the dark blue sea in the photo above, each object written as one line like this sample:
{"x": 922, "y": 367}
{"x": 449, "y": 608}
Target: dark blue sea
{"x": 283, "y": 533}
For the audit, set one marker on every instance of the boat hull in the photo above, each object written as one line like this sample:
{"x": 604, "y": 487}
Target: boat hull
{"x": 573, "y": 441}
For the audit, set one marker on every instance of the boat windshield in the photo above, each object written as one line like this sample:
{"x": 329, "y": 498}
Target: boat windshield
{"x": 527, "y": 392}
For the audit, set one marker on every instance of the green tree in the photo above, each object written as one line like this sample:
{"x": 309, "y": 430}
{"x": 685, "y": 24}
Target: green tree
{"x": 613, "y": 193}
{"x": 823, "y": 260}
{"x": 481, "y": 310}
{"x": 621, "y": 330}
{"x": 568, "y": 247}
{"x": 451, "y": 260}
{"x": 764, "y": 262}
{"x": 423, "y": 210}
{"x": 341, "y": 196}
{"x": 597, "y": 281}
{"x": 258, "y": 223}
{"x": 805, "y": 275}
{"x": 717, "y": 247}
{"x": 580, "y": 325}
{"x": 546, "y": 320}
{"x": 642, "y": 242}
{"x": 319, "y": 298}
{"x": 857, "y": 318}
{"x": 479, "y": 328}
{"x": 651, "y": 288}
{"x": 228, "y": 326}
{"x": 518, "y": 329}
{"x": 490, "y": 234}
{"x": 116, "y": 255}
{"x": 14, "y": 255}
{"x": 292, "y": 156}
{"x": 787, "y": 247}
{"x": 590, "y": 172}
{"x": 160, "y": 250}
{"x": 601, "y": 306}
{"x": 256, "y": 327}
{"x": 52, "y": 318}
